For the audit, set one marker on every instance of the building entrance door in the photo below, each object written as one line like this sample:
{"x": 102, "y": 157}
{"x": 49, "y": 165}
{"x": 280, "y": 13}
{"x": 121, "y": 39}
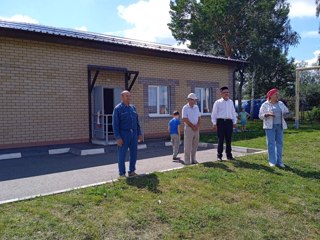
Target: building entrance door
{"x": 108, "y": 102}
{"x": 104, "y": 101}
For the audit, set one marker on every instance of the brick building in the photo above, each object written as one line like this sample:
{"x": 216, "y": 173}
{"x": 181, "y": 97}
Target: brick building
{"x": 60, "y": 85}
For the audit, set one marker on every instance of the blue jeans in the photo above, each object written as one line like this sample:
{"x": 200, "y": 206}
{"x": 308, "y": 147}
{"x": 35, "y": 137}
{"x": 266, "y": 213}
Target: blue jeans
{"x": 130, "y": 140}
{"x": 275, "y": 144}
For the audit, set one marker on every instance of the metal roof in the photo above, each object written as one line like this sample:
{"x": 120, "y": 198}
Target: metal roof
{"x": 107, "y": 39}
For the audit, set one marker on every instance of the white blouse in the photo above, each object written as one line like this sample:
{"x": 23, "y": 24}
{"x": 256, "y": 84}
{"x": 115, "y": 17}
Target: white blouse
{"x": 266, "y": 107}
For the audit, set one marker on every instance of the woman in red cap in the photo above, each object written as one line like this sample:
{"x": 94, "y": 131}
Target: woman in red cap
{"x": 272, "y": 112}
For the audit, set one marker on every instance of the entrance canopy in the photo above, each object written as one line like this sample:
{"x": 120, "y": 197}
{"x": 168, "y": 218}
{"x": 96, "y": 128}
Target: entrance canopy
{"x": 94, "y": 70}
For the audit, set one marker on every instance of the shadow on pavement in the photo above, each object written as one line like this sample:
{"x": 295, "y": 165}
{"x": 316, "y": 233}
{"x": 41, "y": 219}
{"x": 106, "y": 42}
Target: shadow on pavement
{"x": 48, "y": 164}
{"x": 41, "y": 165}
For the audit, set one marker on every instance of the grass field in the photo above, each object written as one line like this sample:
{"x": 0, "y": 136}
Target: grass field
{"x": 245, "y": 199}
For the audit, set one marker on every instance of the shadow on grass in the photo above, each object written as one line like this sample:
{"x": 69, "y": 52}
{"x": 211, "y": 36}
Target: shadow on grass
{"x": 149, "y": 182}
{"x": 250, "y": 134}
{"x": 313, "y": 175}
{"x": 239, "y": 136}
{"x": 254, "y": 166}
{"x": 291, "y": 132}
{"x": 217, "y": 165}
{"x": 304, "y": 130}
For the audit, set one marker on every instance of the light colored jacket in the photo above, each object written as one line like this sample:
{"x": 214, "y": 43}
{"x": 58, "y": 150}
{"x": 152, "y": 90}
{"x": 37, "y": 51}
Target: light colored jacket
{"x": 266, "y": 107}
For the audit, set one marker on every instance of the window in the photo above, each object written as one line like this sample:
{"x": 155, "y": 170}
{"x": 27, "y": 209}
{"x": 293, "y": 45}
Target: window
{"x": 158, "y": 100}
{"x": 204, "y": 96}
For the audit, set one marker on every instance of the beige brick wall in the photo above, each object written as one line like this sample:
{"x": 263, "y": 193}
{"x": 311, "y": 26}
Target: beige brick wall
{"x": 43, "y": 88}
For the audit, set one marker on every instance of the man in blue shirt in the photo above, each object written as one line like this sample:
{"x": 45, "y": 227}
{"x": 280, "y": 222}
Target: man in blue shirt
{"x": 127, "y": 132}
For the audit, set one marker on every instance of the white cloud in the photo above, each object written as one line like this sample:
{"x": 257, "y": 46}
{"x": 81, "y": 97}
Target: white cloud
{"x": 182, "y": 45}
{"x": 314, "y": 60}
{"x": 149, "y": 19}
{"x": 117, "y": 33}
{"x": 82, "y": 28}
{"x": 310, "y": 34}
{"x": 302, "y": 8}
{"x": 310, "y": 62}
{"x": 20, "y": 18}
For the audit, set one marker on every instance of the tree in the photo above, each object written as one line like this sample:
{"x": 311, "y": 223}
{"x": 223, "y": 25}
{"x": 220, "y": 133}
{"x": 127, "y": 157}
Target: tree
{"x": 274, "y": 70}
{"x": 241, "y": 29}
{"x": 310, "y": 87}
{"x": 212, "y": 26}
{"x": 318, "y": 9}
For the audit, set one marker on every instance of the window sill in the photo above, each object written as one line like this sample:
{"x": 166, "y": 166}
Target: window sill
{"x": 159, "y": 115}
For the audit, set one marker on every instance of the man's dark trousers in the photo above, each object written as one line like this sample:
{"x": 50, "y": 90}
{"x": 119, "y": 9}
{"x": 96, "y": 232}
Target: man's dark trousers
{"x": 224, "y": 128}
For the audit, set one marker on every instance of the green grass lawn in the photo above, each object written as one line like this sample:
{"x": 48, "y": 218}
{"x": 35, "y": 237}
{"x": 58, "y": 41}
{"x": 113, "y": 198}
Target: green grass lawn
{"x": 245, "y": 199}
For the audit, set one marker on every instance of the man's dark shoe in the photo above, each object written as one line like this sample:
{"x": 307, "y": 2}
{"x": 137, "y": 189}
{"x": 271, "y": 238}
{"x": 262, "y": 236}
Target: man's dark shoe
{"x": 132, "y": 174}
{"x": 220, "y": 158}
{"x": 231, "y": 158}
{"x": 176, "y": 158}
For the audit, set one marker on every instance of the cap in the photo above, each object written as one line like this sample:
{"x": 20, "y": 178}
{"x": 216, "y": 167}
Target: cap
{"x": 192, "y": 96}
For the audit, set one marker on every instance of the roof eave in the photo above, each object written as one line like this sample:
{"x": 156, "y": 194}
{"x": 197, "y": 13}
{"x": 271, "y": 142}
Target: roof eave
{"x": 60, "y": 39}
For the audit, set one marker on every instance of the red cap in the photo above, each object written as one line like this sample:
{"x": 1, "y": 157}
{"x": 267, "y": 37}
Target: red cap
{"x": 271, "y": 92}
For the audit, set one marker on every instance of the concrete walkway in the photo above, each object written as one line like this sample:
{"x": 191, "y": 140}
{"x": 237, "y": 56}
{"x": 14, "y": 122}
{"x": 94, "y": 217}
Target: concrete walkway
{"x": 32, "y": 176}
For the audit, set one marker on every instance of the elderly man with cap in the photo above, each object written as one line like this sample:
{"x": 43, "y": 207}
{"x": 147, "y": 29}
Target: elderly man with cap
{"x": 224, "y": 119}
{"x": 272, "y": 113}
{"x": 191, "y": 118}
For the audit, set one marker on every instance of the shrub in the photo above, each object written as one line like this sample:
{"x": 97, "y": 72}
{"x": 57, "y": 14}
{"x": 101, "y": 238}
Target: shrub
{"x": 315, "y": 114}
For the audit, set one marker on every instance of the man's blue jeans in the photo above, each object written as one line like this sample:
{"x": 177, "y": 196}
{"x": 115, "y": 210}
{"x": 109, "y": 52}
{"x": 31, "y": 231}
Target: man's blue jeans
{"x": 275, "y": 144}
{"x": 130, "y": 140}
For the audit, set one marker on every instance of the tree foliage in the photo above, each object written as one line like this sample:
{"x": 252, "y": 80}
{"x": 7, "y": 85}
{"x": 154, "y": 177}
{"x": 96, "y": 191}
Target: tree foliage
{"x": 318, "y": 10}
{"x": 310, "y": 87}
{"x": 235, "y": 28}
{"x": 274, "y": 70}
{"x": 258, "y": 31}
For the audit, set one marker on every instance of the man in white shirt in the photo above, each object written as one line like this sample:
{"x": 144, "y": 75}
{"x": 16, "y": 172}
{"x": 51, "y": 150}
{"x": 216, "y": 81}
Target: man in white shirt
{"x": 224, "y": 119}
{"x": 191, "y": 119}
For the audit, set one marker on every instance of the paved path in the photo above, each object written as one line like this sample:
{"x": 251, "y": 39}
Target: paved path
{"x": 43, "y": 175}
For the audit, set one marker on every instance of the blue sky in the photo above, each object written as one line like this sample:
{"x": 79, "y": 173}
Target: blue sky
{"x": 143, "y": 19}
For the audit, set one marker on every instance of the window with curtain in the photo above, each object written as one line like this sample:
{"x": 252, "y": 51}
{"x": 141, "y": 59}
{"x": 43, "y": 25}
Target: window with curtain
{"x": 158, "y": 100}
{"x": 204, "y": 96}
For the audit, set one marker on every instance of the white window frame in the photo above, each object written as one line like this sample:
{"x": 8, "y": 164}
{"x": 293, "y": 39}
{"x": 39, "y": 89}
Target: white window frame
{"x": 201, "y": 98}
{"x": 158, "y": 101}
